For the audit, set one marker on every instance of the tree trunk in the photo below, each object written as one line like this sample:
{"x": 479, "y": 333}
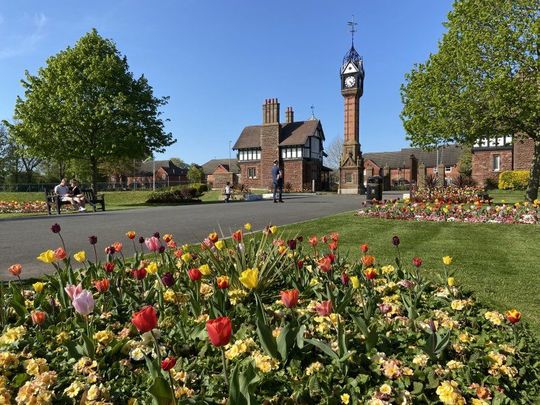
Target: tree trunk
{"x": 534, "y": 178}
{"x": 94, "y": 167}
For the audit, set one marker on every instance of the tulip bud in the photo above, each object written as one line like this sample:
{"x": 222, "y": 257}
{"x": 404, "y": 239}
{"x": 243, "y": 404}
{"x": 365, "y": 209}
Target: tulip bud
{"x": 92, "y": 239}
{"x": 55, "y": 228}
{"x": 168, "y": 363}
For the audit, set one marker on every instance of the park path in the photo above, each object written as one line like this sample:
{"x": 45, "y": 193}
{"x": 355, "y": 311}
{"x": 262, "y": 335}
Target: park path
{"x": 23, "y": 239}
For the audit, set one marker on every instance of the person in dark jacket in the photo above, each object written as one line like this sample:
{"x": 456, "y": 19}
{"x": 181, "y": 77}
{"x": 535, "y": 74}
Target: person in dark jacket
{"x": 277, "y": 178}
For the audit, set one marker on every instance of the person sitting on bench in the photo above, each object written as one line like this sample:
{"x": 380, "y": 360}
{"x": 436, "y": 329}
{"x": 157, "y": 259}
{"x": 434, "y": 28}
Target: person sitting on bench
{"x": 62, "y": 190}
{"x": 77, "y": 195}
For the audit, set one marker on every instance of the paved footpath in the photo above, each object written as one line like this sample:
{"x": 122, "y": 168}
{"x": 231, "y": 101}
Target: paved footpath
{"x": 22, "y": 239}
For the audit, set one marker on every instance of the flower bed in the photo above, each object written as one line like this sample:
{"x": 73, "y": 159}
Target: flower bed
{"x": 256, "y": 319}
{"x": 438, "y": 211}
{"x": 449, "y": 194}
{"x": 9, "y": 207}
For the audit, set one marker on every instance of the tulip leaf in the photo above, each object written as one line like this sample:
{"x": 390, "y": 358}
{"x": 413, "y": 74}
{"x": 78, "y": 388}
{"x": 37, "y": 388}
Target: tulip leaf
{"x": 17, "y": 302}
{"x": 88, "y": 346}
{"x": 286, "y": 340}
{"x": 242, "y": 385}
{"x": 300, "y": 337}
{"x": 323, "y": 347}
{"x": 268, "y": 343}
{"x": 160, "y": 391}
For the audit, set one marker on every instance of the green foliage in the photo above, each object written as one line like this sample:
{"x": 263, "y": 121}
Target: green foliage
{"x": 483, "y": 81}
{"x": 176, "y": 195}
{"x": 195, "y": 174}
{"x": 85, "y": 105}
{"x": 513, "y": 180}
{"x": 465, "y": 163}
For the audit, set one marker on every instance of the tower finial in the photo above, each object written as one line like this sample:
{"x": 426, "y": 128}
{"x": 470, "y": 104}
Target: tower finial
{"x": 352, "y": 26}
{"x": 312, "y": 112}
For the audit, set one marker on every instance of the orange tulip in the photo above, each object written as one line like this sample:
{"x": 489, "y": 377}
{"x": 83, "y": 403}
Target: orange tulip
{"x": 131, "y": 234}
{"x": 38, "y": 317}
{"x": 102, "y": 285}
{"x": 289, "y": 298}
{"x": 117, "y": 246}
{"x": 364, "y": 248}
{"x": 368, "y": 260}
{"x": 213, "y": 237}
{"x": 370, "y": 273}
{"x": 60, "y": 253}
{"x": 513, "y": 316}
{"x": 15, "y": 269}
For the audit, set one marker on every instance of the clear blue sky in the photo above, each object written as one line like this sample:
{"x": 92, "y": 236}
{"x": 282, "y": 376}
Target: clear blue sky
{"x": 218, "y": 60}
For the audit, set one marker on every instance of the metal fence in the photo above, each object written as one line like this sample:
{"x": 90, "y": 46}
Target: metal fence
{"x": 101, "y": 186}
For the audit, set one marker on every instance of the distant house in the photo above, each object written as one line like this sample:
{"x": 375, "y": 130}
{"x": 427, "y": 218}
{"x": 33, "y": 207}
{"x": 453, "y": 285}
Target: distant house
{"x": 402, "y": 167}
{"x": 217, "y": 172}
{"x": 166, "y": 174}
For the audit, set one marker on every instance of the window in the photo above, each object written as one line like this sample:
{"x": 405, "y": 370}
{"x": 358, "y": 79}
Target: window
{"x": 291, "y": 152}
{"x": 252, "y": 172}
{"x": 496, "y": 163}
{"x": 249, "y": 154}
{"x": 447, "y": 169}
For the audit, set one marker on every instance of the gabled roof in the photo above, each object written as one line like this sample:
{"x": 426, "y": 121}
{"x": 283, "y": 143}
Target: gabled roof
{"x": 294, "y": 133}
{"x": 448, "y": 155}
{"x": 147, "y": 168}
{"x": 210, "y": 166}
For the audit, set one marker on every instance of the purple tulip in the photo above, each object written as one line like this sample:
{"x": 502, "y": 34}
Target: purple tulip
{"x": 92, "y": 239}
{"x": 55, "y": 228}
{"x": 141, "y": 240}
{"x": 161, "y": 249}
{"x": 156, "y": 235}
{"x": 395, "y": 240}
{"x": 168, "y": 279}
{"x": 292, "y": 244}
{"x": 83, "y": 303}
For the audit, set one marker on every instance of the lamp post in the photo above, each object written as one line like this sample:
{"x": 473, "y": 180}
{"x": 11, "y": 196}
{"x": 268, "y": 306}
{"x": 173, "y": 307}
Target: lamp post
{"x": 230, "y": 168}
{"x": 153, "y": 170}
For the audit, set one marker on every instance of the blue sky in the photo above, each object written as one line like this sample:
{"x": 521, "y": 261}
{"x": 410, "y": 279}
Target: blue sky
{"x": 218, "y": 60}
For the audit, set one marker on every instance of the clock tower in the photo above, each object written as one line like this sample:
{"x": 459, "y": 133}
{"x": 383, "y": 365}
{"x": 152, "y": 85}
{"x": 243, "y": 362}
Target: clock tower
{"x": 351, "y": 168}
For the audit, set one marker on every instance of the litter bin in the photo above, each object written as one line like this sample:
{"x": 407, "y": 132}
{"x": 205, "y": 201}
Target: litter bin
{"x": 374, "y": 188}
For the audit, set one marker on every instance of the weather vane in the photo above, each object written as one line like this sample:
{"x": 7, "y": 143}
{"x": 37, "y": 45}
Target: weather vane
{"x": 352, "y": 24}
{"x": 312, "y": 112}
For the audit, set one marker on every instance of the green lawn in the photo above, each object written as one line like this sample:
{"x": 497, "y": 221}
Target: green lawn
{"x": 507, "y": 196}
{"x": 498, "y": 262}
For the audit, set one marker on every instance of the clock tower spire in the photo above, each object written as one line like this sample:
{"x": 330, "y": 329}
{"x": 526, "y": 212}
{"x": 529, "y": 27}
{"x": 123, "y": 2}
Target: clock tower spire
{"x": 351, "y": 168}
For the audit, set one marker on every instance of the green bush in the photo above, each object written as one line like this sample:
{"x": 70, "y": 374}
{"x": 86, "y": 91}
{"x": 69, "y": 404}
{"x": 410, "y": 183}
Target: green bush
{"x": 514, "y": 180}
{"x": 177, "y": 195}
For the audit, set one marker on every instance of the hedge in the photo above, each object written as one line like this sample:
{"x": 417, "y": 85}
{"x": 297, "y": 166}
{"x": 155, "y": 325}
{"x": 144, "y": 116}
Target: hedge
{"x": 514, "y": 180}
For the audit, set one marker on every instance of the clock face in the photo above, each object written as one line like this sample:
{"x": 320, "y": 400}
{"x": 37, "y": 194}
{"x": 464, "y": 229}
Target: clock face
{"x": 350, "y": 81}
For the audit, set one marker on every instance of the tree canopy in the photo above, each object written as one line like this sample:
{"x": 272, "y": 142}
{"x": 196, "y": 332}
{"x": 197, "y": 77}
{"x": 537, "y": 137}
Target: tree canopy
{"x": 484, "y": 80}
{"x": 85, "y": 104}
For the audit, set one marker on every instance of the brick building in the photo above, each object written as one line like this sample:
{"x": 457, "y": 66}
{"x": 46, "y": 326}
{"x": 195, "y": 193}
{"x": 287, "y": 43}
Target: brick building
{"x": 404, "y": 166}
{"x": 298, "y": 145}
{"x": 166, "y": 174}
{"x": 217, "y": 172}
{"x": 491, "y": 156}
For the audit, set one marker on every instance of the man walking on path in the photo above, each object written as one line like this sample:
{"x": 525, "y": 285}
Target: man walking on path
{"x": 277, "y": 178}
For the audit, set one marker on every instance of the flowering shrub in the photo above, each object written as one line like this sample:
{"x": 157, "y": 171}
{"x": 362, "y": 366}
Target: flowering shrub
{"x": 449, "y": 194}
{"x": 514, "y": 180}
{"x": 439, "y": 211}
{"x": 8, "y": 207}
{"x": 256, "y": 319}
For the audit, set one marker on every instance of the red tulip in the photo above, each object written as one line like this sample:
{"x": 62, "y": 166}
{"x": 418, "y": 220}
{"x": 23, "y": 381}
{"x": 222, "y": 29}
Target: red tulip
{"x": 417, "y": 261}
{"x": 324, "y": 308}
{"x": 334, "y": 236}
{"x": 194, "y": 274}
{"x": 370, "y": 273}
{"x": 108, "y": 267}
{"x": 60, "y": 253}
{"x": 344, "y": 278}
{"x": 332, "y": 257}
{"x": 38, "y": 317}
{"x": 513, "y": 316}
{"x": 325, "y": 264}
{"x": 145, "y": 320}
{"x": 313, "y": 240}
{"x": 102, "y": 285}
{"x": 213, "y": 237}
{"x": 168, "y": 363}
{"x": 219, "y": 330}
{"x": 364, "y": 247}
{"x": 300, "y": 264}
{"x": 131, "y": 234}
{"x": 324, "y": 239}
{"x": 223, "y": 282}
{"x": 237, "y": 236}
{"x": 289, "y": 298}
{"x": 15, "y": 269}
{"x": 138, "y": 274}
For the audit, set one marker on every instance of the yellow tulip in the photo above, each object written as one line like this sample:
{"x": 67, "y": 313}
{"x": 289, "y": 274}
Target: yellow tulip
{"x": 186, "y": 257}
{"x": 447, "y": 260}
{"x": 80, "y": 256}
{"x": 451, "y": 281}
{"x": 220, "y": 244}
{"x": 247, "y": 227}
{"x": 205, "y": 269}
{"x": 250, "y": 278}
{"x": 273, "y": 229}
{"x": 355, "y": 282}
{"x": 152, "y": 268}
{"x": 47, "y": 256}
{"x": 38, "y": 287}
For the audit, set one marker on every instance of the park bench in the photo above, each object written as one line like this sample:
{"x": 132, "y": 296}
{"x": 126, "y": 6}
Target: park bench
{"x": 53, "y": 200}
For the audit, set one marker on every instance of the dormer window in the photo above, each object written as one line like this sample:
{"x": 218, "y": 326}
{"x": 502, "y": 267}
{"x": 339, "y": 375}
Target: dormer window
{"x": 249, "y": 154}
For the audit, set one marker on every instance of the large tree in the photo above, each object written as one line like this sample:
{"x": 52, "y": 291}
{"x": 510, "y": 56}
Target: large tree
{"x": 86, "y": 105}
{"x": 484, "y": 80}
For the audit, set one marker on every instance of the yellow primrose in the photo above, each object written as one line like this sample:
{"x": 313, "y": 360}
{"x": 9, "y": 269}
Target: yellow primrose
{"x": 80, "y": 256}
{"x": 47, "y": 256}
{"x": 38, "y": 287}
{"x": 451, "y": 281}
{"x": 220, "y": 244}
{"x": 447, "y": 260}
{"x": 313, "y": 282}
{"x": 152, "y": 268}
{"x": 345, "y": 398}
{"x": 247, "y": 227}
{"x": 205, "y": 269}
{"x": 355, "y": 282}
{"x": 250, "y": 278}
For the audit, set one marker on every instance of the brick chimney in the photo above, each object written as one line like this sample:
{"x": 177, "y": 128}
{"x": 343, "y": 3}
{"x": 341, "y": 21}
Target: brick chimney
{"x": 271, "y": 111}
{"x": 289, "y": 115}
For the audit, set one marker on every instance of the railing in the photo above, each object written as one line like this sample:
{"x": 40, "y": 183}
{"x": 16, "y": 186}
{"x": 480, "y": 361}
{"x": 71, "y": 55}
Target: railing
{"x": 101, "y": 186}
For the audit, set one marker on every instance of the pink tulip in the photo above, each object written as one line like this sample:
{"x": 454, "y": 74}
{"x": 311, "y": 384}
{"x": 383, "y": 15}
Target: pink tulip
{"x": 152, "y": 244}
{"x": 73, "y": 290}
{"x": 324, "y": 308}
{"x": 83, "y": 302}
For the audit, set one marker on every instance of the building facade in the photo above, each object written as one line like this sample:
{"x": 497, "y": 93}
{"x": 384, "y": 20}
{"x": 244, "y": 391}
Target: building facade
{"x": 297, "y": 145}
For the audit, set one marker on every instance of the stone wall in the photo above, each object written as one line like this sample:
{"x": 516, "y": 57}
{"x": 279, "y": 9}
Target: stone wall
{"x": 523, "y": 154}
{"x": 482, "y": 164}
